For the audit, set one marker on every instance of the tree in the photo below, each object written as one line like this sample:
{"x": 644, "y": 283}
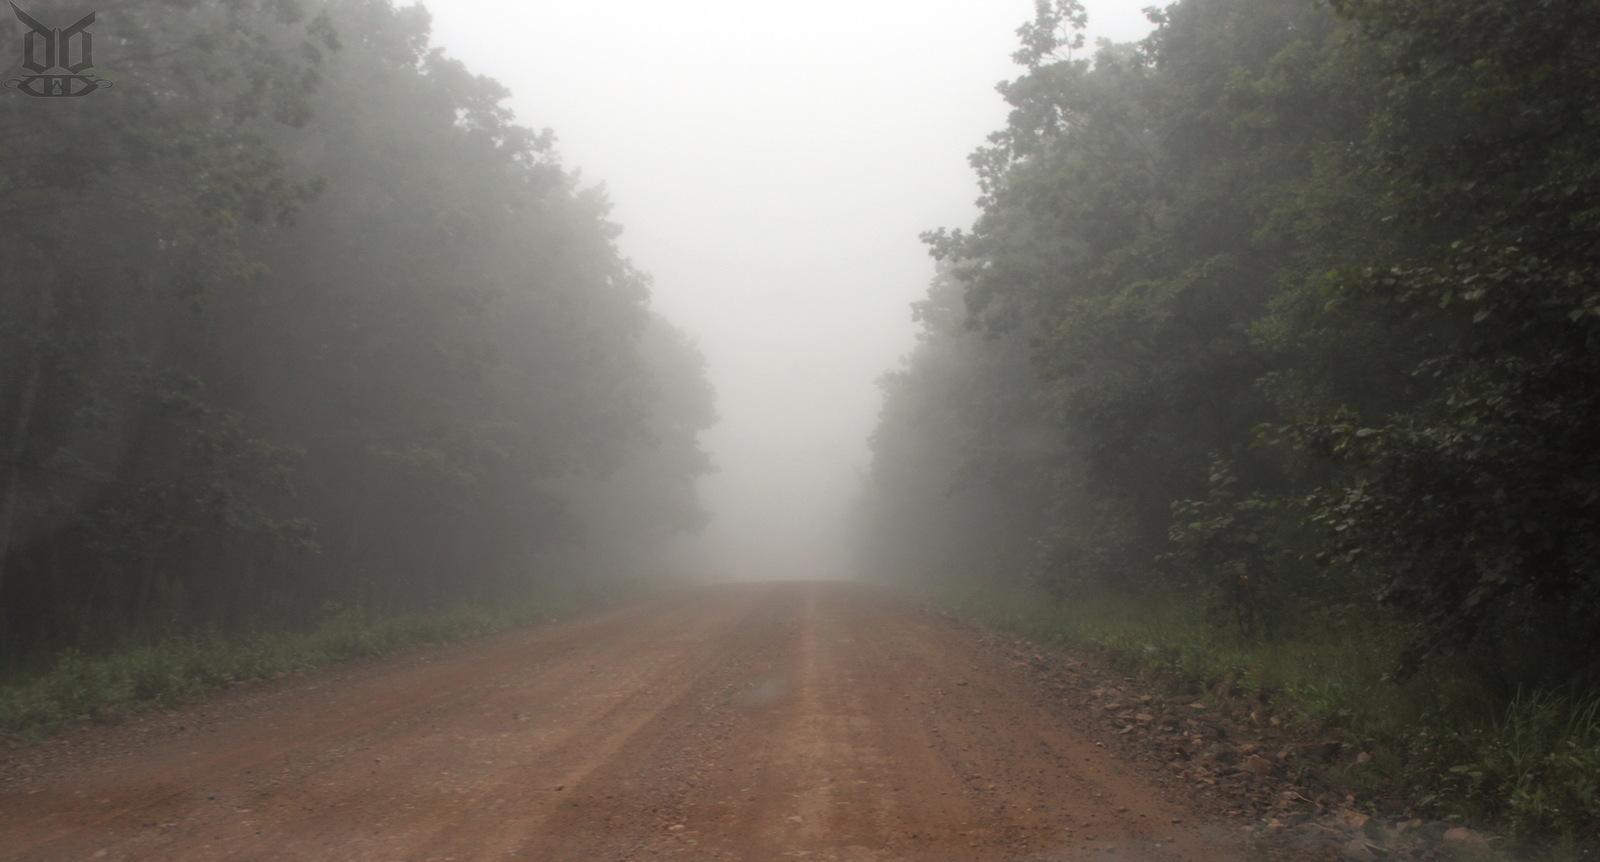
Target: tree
{"x": 1479, "y": 499}
{"x": 230, "y": 397}
{"x": 115, "y": 224}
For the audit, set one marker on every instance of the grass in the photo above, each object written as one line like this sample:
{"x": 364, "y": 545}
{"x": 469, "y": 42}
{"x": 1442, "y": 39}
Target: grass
{"x": 1324, "y": 671}
{"x": 1536, "y": 766}
{"x": 1530, "y": 766}
{"x": 165, "y": 671}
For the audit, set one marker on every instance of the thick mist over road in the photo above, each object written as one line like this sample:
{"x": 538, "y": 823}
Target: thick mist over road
{"x": 1226, "y": 394}
{"x": 771, "y": 166}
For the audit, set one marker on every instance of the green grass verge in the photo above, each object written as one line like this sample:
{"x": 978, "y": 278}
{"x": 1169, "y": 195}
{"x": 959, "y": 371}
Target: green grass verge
{"x": 1531, "y": 765}
{"x": 165, "y": 671}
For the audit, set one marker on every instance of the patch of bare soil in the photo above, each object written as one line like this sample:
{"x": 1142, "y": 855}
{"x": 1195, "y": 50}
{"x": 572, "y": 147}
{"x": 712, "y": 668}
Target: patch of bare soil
{"x": 820, "y": 721}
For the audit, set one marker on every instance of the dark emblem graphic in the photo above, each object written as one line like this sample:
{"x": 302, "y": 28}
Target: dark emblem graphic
{"x": 59, "y": 60}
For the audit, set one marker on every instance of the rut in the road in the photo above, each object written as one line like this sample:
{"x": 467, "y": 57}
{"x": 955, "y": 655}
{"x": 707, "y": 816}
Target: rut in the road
{"x": 750, "y": 722}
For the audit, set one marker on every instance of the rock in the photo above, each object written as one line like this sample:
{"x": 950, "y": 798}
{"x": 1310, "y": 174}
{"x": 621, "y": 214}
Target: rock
{"x": 1226, "y": 755}
{"x": 1256, "y": 764}
{"x": 1463, "y": 845}
{"x": 1357, "y": 850}
{"x": 1352, "y": 818}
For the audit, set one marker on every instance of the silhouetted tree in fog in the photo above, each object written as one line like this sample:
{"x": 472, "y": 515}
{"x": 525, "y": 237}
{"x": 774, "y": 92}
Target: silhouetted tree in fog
{"x": 295, "y": 312}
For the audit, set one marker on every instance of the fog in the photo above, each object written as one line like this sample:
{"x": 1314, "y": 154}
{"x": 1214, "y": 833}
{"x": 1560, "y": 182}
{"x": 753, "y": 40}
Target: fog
{"x": 1271, "y": 357}
{"x": 771, "y": 166}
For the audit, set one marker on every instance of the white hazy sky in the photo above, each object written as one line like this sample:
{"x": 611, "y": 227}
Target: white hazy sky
{"x": 771, "y": 164}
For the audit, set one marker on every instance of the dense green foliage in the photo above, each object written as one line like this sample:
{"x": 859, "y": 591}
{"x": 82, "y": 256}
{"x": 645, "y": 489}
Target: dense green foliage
{"x": 295, "y": 313}
{"x": 1290, "y": 310}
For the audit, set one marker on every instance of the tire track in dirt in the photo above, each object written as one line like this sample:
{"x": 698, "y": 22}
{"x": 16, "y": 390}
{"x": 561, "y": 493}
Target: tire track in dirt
{"x": 818, "y": 721}
{"x": 841, "y": 725}
{"x": 409, "y": 753}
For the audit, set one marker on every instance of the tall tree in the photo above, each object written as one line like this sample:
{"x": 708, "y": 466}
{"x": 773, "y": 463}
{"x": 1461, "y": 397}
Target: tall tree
{"x": 418, "y": 374}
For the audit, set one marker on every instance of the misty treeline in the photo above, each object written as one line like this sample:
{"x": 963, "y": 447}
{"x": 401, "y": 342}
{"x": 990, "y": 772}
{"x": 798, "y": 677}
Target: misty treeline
{"x": 295, "y": 314}
{"x": 1292, "y": 308}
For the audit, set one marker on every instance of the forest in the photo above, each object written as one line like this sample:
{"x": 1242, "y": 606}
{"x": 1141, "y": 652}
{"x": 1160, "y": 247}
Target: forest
{"x": 295, "y": 318}
{"x": 1285, "y": 322}
{"x": 1272, "y": 363}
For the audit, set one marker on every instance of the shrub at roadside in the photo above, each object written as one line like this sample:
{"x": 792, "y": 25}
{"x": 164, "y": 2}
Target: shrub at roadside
{"x": 1436, "y": 739}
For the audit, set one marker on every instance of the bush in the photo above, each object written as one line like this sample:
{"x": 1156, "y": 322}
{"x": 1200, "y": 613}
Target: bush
{"x": 1442, "y": 735}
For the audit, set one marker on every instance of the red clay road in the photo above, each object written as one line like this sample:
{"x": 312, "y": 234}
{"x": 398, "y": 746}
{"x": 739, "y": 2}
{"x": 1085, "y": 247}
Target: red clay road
{"x": 813, "y": 721}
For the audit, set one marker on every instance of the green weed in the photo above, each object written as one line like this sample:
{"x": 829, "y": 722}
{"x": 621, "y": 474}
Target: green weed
{"x": 1532, "y": 766}
{"x": 165, "y": 670}
{"x": 1537, "y": 767}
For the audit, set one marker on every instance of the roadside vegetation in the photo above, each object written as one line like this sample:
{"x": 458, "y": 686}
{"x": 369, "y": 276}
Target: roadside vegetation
{"x": 153, "y": 670}
{"x": 1440, "y": 742}
{"x": 1273, "y": 361}
{"x": 295, "y": 314}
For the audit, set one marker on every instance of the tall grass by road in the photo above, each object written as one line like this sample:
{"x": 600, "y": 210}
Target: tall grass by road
{"x": 1529, "y": 763}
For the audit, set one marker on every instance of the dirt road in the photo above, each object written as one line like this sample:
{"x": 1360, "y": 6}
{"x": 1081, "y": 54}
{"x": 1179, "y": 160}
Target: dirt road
{"x": 813, "y": 721}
